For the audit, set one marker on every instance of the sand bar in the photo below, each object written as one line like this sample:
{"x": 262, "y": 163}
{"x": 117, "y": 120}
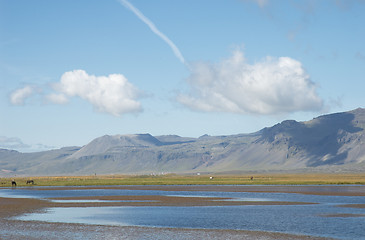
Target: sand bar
{"x": 15, "y": 229}
{"x": 329, "y": 190}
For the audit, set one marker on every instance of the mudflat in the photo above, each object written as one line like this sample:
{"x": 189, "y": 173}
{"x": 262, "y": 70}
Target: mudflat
{"x": 329, "y": 190}
{"x": 16, "y": 229}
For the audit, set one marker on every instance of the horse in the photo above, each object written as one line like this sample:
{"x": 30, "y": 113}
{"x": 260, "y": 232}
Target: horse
{"x": 13, "y": 183}
{"x": 30, "y": 182}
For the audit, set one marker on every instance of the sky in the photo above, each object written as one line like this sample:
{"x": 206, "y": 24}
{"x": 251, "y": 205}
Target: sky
{"x": 72, "y": 71}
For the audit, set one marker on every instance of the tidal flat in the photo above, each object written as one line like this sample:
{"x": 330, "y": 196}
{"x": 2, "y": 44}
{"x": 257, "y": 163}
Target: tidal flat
{"x": 183, "y": 212}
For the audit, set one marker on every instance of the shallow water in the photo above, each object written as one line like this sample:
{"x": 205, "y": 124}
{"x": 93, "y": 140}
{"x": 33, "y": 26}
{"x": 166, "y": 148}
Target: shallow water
{"x": 297, "y": 219}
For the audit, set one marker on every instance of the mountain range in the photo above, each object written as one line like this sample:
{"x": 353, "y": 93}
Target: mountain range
{"x": 328, "y": 143}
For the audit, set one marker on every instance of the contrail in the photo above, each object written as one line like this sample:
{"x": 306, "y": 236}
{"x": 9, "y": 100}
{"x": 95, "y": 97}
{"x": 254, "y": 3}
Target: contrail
{"x": 154, "y": 29}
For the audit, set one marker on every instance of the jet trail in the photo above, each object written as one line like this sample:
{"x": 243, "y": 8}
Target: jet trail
{"x": 154, "y": 29}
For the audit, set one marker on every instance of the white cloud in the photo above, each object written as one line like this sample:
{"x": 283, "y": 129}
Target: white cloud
{"x": 110, "y": 94}
{"x": 19, "y": 96}
{"x": 272, "y": 86}
{"x": 57, "y": 98}
{"x": 14, "y": 143}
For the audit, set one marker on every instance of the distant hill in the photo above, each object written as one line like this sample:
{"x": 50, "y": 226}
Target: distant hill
{"x": 329, "y": 143}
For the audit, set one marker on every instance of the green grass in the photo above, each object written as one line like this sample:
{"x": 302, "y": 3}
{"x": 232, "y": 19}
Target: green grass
{"x": 258, "y": 179}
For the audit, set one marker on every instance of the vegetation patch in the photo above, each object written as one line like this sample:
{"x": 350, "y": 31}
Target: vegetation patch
{"x": 172, "y": 179}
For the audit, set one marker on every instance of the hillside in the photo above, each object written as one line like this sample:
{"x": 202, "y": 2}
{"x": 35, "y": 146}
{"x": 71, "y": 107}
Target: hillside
{"x": 334, "y": 142}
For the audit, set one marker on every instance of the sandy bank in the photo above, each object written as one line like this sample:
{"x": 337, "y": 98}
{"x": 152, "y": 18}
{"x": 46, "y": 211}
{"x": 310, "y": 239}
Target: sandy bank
{"x": 329, "y": 190}
{"x": 15, "y": 229}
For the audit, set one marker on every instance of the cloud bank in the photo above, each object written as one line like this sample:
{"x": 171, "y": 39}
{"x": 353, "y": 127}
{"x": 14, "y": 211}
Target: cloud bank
{"x": 14, "y": 143}
{"x": 110, "y": 94}
{"x": 272, "y": 86}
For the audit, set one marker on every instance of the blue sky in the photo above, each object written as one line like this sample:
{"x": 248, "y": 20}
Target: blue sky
{"x": 71, "y": 71}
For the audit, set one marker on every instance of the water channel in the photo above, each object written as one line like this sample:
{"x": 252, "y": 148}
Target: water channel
{"x": 325, "y": 218}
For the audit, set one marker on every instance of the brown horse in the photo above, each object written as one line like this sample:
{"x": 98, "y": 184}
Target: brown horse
{"x": 30, "y": 182}
{"x": 13, "y": 183}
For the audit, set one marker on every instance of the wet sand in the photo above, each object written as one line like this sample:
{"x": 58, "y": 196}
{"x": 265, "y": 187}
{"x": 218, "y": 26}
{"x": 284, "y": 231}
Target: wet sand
{"x": 39, "y": 230}
{"x": 353, "y": 205}
{"x": 15, "y": 229}
{"x": 328, "y": 190}
{"x": 343, "y": 215}
{"x": 107, "y": 201}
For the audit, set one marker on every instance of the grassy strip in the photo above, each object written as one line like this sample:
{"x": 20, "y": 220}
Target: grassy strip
{"x": 262, "y": 179}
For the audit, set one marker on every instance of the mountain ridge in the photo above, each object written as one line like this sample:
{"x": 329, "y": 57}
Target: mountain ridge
{"x": 331, "y": 142}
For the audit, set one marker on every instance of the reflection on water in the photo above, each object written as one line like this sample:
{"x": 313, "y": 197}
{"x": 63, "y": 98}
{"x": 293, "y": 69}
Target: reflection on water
{"x": 297, "y": 219}
{"x": 290, "y": 219}
{"x": 98, "y": 201}
{"x": 90, "y": 215}
{"x": 248, "y": 200}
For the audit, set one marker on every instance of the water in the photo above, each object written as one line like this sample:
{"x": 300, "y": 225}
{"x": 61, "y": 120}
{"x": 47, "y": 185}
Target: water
{"x": 296, "y": 219}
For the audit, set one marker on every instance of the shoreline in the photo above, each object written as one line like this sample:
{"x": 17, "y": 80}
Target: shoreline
{"x": 17, "y": 229}
{"x": 329, "y": 190}
{"x": 44, "y": 230}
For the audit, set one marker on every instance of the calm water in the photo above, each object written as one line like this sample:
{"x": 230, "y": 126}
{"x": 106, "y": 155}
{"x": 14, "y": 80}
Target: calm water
{"x": 297, "y": 219}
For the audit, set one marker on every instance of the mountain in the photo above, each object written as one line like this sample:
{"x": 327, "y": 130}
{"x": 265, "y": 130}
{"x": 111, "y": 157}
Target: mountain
{"x": 113, "y": 143}
{"x": 329, "y": 143}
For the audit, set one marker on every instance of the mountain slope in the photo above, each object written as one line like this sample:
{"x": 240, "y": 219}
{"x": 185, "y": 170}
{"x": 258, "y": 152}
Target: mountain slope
{"x": 329, "y": 139}
{"x": 334, "y": 142}
{"x": 335, "y": 139}
{"x": 108, "y": 143}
